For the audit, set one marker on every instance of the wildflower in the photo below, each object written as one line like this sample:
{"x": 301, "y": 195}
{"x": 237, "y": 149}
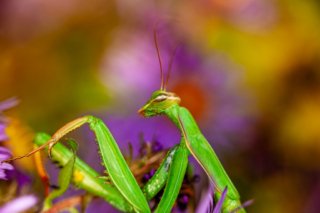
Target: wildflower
{"x": 218, "y": 206}
{"x": 4, "y": 152}
{"x": 20, "y": 204}
{"x": 4, "y": 155}
{"x": 3, "y": 135}
{"x": 14, "y": 199}
{"x": 208, "y": 204}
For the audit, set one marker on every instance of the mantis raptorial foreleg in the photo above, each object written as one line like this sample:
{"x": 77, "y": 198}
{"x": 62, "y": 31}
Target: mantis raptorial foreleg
{"x": 112, "y": 158}
{"x": 84, "y": 176}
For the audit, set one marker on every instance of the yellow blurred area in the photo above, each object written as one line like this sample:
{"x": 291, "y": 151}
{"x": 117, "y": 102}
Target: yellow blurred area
{"x": 20, "y": 142}
{"x": 299, "y": 133}
{"x": 278, "y": 193}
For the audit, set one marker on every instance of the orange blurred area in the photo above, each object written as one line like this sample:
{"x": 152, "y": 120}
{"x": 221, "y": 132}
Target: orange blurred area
{"x": 66, "y": 59}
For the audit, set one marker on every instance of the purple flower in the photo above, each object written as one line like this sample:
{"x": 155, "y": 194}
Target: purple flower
{"x": 4, "y": 105}
{"x": 3, "y": 135}
{"x": 20, "y": 204}
{"x": 4, "y": 153}
{"x": 218, "y": 207}
{"x": 208, "y": 204}
{"x": 7, "y": 104}
{"x": 24, "y": 202}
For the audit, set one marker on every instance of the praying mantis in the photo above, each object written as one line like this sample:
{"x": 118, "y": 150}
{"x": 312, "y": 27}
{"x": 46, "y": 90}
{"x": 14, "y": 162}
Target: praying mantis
{"x": 125, "y": 193}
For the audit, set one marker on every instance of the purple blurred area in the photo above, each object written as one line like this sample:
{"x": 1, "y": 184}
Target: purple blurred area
{"x": 248, "y": 70}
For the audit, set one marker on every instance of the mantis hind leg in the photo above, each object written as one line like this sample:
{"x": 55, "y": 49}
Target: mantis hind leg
{"x": 117, "y": 167}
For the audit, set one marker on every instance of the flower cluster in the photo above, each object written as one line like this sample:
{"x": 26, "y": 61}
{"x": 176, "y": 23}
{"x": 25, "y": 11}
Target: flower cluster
{"x": 4, "y": 152}
{"x": 21, "y": 202}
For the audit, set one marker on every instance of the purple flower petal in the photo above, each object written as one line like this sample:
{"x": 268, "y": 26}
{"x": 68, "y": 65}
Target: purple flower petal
{"x": 6, "y": 166}
{"x": 217, "y": 208}
{"x": 20, "y": 204}
{"x": 3, "y": 135}
{"x": 4, "y": 151}
{"x": 7, "y": 104}
{"x": 206, "y": 200}
{"x": 4, "y": 155}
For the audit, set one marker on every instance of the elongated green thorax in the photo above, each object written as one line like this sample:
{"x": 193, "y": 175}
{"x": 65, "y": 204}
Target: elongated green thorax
{"x": 202, "y": 151}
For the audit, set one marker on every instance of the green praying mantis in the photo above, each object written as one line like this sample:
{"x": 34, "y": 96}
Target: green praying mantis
{"x": 124, "y": 193}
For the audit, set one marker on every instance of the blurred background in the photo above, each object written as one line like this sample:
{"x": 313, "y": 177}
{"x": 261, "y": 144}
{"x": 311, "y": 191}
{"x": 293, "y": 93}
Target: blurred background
{"x": 248, "y": 70}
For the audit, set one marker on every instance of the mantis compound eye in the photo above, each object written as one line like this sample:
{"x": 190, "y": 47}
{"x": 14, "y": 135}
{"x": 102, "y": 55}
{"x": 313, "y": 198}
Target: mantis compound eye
{"x": 160, "y": 98}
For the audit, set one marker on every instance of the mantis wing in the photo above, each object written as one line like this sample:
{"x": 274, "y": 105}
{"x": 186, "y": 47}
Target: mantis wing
{"x": 117, "y": 167}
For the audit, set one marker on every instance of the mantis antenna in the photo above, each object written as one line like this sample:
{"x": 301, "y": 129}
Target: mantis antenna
{"x": 158, "y": 52}
{"x": 170, "y": 66}
{"x": 164, "y": 83}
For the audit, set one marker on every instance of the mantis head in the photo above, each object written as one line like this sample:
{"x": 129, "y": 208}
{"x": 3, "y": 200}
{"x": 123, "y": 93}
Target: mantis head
{"x": 160, "y": 101}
